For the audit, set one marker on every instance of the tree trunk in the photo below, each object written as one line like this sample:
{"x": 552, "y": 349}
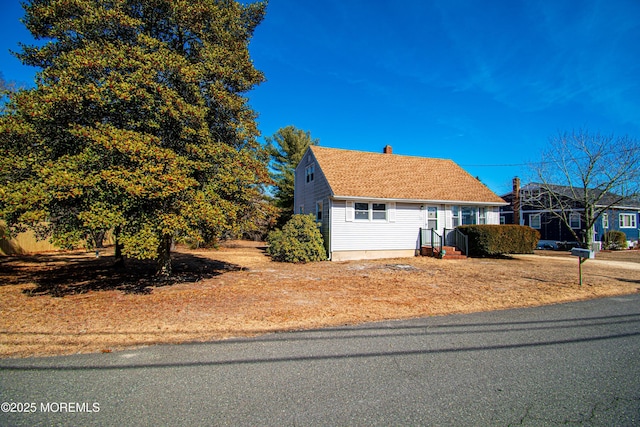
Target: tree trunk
{"x": 588, "y": 222}
{"x": 119, "y": 259}
{"x": 98, "y": 238}
{"x": 164, "y": 256}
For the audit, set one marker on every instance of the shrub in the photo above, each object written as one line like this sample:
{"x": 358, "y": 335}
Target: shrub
{"x": 494, "y": 240}
{"x": 298, "y": 241}
{"x": 614, "y": 240}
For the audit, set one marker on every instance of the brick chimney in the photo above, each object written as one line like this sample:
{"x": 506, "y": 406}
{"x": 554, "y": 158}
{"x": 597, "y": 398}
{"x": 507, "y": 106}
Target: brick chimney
{"x": 516, "y": 200}
{"x": 387, "y": 149}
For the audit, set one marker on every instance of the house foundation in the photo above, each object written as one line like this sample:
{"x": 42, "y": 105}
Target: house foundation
{"x": 359, "y": 255}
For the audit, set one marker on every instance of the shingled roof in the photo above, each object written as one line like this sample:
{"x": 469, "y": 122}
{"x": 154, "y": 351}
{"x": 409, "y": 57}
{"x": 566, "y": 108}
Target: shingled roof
{"x": 390, "y": 176}
{"x": 594, "y": 195}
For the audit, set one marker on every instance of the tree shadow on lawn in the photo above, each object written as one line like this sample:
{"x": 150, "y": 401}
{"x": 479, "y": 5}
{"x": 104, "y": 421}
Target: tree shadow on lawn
{"x": 630, "y": 281}
{"x": 61, "y": 276}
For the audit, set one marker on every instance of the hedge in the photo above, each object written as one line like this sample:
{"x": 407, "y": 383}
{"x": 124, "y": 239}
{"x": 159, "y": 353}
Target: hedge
{"x": 299, "y": 241}
{"x": 495, "y": 240}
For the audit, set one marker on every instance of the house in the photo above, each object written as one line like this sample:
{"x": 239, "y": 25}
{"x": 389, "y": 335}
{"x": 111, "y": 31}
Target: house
{"x": 526, "y": 207}
{"x": 23, "y": 243}
{"x": 374, "y": 205}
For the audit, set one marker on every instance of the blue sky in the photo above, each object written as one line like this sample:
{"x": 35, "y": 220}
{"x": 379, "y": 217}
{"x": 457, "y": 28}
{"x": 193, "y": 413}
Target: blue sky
{"x": 484, "y": 83}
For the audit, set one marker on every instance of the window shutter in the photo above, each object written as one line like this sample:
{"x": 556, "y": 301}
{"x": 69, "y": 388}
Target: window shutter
{"x": 448, "y": 217}
{"x": 350, "y": 212}
{"x": 392, "y": 212}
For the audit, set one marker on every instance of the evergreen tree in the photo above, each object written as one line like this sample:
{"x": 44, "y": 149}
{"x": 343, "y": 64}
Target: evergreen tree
{"x": 137, "y": 123}
{"x": 287, "y": 146}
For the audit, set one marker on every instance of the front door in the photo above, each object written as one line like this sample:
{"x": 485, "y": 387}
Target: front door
{"x": 432, "y": 218}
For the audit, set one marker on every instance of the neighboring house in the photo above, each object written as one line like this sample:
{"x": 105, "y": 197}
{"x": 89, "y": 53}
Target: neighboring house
{"x": 621, "y": 214}
{"x": 23, "y": 243}
{"x": 27, "y": 243}
{"x": 374, "y": 205}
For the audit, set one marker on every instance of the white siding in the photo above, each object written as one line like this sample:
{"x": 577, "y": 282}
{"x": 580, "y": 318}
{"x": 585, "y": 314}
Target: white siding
{"x": 400, "y": 231}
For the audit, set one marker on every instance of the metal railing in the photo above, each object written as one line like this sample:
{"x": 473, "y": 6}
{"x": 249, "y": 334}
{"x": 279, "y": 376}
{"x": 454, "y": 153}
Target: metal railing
{"x": 429, "y": 237}
{"x": 450, "y": 237}
{"x": 458, "y": 240}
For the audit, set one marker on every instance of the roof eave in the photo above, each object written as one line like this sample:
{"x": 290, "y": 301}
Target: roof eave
{"x": 438, "y": 202}
{"x": 627, "y": 208}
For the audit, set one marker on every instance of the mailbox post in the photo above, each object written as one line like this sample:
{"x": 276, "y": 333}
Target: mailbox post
{"x": 583, "y": 255}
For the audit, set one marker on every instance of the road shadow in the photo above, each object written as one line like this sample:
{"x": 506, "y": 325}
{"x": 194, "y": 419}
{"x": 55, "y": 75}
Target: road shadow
{"x": 340, "y": 343}
{"x": 70, "y": 275}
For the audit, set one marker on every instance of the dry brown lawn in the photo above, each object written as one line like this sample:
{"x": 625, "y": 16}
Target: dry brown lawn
{"x": 67, "y": 303}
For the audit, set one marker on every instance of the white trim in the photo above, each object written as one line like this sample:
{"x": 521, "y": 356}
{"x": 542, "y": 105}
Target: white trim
{"x": 457, "y": 216}
{"x": 482, "y": 215}
{"x": 433, "y": 202}
{"x": 551, "y": 210}
{"x": 539, "y": 216}
{"x": 309, "y": 173}
{"x": 330, "y": 227}
{"x": 634, "y": 223}
{"x": 350, "y": 212}
{"x": 620, "y": 208}
{"x": 371, "y": 213}
{"x": 448, "y": 217}
{"x": 572, "y": 215}
{"x": 361, "y": 211}
{"x": 391, "y": 212}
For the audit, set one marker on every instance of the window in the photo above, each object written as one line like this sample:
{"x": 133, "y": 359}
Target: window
{"x": 362, "y": 211}
{"x": 455, "y": 216}
{"x": 301, "y": 209}
{"x": 319, "y": 211}
{"x": 370, "y": 212}
{"x": 535, "y": 221}
{"x": 605, "y": 221}
{"x": 628, "y": 221}
{"x": 482, "y": 215}
{"x": 379, "y": 211}
{"x": 468, "y": 215}
{"x": 503, "y": 220}
{"x": 574, "y": 220}
{"x": 309, "y": 173}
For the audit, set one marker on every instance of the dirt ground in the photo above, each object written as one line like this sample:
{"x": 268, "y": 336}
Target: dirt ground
{"x": 73, "y": 302}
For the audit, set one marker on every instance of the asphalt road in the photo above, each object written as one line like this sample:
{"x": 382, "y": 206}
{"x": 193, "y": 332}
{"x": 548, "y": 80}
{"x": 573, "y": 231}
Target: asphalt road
{"x": 576, "y": 364}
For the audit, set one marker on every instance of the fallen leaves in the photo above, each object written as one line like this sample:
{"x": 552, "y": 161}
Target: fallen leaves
{"x": 241, "y": 292}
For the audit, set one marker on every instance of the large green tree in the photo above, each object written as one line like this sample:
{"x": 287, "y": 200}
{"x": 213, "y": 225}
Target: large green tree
{"x": 287, "y": 146}
{"x": 5, "y": 86}
{"x": 138, "y": 123}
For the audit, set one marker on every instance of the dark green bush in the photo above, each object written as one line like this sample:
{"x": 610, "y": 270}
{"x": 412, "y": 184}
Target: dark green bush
{"x": 495, "y": 240}
{"x": 614, "y": 240}
{"x": 298, "y": 241}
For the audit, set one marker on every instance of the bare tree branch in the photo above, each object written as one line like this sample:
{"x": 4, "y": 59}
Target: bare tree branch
{"x": 586, "y": 173}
